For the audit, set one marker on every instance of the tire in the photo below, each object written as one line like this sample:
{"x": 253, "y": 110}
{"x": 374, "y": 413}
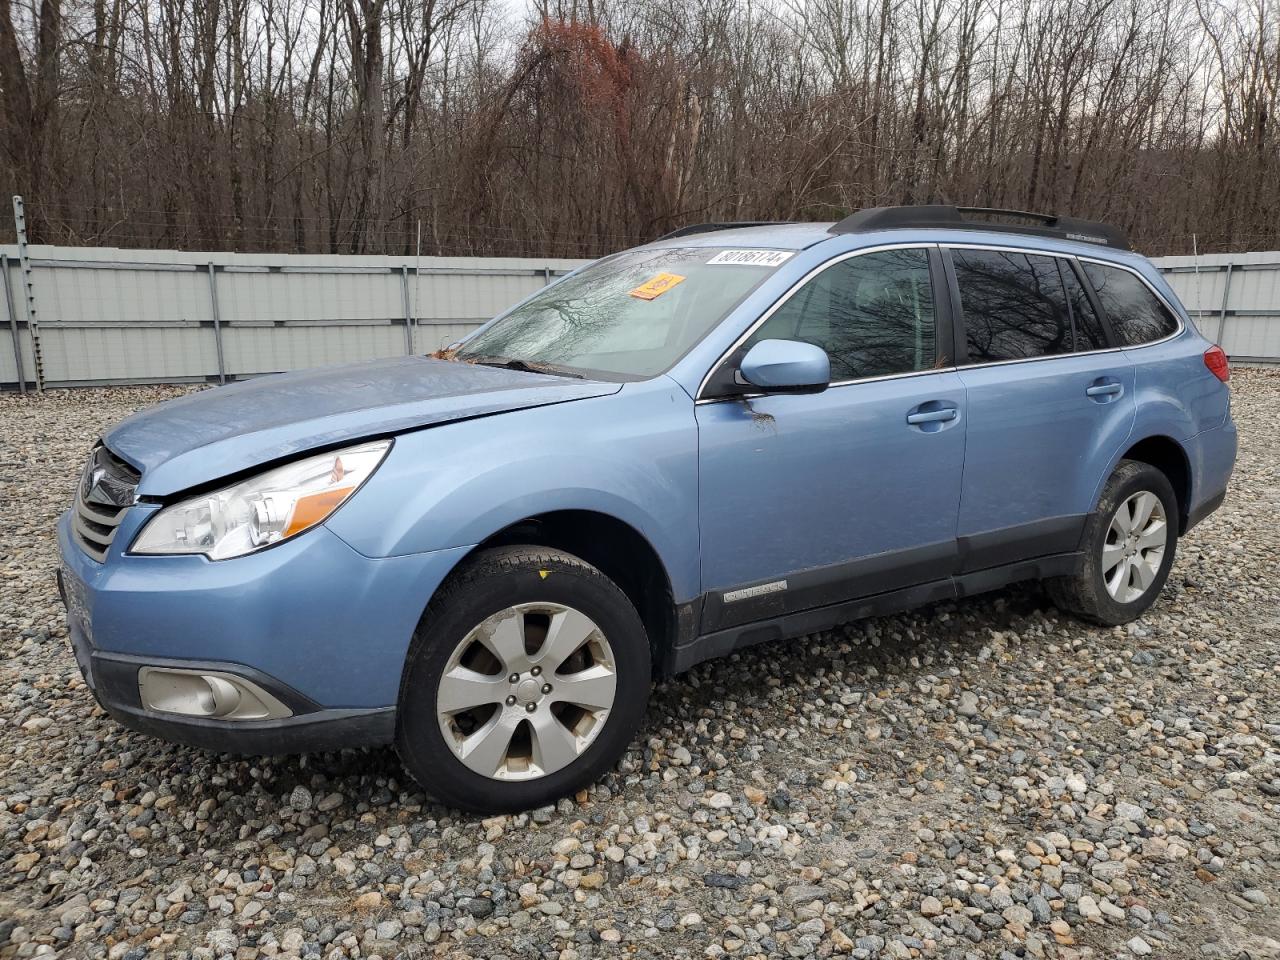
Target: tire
{"x": 1139, "y": 577}
{"x": 488, "y": 633}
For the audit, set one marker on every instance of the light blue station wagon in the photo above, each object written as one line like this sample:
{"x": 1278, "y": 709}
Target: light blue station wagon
{"x": 736, "y": 434}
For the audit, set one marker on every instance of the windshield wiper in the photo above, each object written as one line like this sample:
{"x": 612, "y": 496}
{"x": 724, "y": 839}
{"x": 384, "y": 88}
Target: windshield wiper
{"x": 547, "y": 369}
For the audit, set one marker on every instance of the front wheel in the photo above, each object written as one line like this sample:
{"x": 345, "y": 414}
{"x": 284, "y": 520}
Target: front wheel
{"x": 526, "y": 680}
{"x": 1129, "y": 545}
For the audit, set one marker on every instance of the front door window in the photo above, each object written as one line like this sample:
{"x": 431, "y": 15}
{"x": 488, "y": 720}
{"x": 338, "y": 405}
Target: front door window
{"x": 873, "y": 315}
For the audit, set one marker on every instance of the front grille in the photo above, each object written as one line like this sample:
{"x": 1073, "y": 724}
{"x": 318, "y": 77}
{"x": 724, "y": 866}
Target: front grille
{"x": 105, "y": 492}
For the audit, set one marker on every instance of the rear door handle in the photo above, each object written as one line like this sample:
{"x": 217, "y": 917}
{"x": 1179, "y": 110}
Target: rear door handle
{"x": 933, "y": 416}
{"x": 1104, "y": 389}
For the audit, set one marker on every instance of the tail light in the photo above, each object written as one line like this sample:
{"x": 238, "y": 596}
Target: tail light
{"x": 1216, "y": 360}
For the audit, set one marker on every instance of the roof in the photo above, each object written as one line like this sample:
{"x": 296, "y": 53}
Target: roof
{"x": 929, "y": 223}
{"x": 799, "y": 237}
{"x": 781, "y": 236}
{"x": 940, "y": 216}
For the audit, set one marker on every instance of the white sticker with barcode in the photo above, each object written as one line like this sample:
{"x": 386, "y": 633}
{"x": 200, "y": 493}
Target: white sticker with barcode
{"x": 752, "y": 258}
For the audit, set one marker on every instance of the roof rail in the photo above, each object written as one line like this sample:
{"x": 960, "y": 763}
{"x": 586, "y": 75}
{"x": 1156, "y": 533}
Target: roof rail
{"x": 695, "y": 228}
{"x": 938, "y": 215}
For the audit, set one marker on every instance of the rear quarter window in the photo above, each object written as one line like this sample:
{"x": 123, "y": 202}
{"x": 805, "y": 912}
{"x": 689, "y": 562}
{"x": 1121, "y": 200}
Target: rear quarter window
{"x": 1137, "y": 316}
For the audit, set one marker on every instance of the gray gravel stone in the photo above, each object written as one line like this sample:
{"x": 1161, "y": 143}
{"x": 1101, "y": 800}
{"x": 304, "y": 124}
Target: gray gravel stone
{"x": 983, "y": 778}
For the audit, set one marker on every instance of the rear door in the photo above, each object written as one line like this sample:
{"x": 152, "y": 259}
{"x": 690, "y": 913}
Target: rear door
{"x": 1050, "y": 403}
{"x": 1168, "y": 367}
{"x": 809, "y": 500}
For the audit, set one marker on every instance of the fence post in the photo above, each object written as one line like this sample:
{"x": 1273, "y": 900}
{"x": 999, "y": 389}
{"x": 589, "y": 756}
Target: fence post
{"x": 13, "y": 324}
{"x": 217, "y": 321}
{"x": 408, "y": 312}
{"x": 1222, "y": 314}
{"x": 28, "y": 289}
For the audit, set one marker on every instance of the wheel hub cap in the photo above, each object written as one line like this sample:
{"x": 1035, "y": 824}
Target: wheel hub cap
{"x": 527, "y": 691}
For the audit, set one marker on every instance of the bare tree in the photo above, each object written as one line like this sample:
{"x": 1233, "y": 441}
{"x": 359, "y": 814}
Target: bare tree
{"x": 339, "y": 125}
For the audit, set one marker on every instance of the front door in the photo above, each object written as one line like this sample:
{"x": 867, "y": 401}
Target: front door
{"x": 809, "y": 500}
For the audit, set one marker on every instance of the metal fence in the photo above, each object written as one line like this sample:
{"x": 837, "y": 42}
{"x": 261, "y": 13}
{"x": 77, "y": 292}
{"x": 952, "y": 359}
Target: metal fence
{"x": 79, "y": 316}
{"x": 1234, "y": 299}
{"x": 82, "y": 316}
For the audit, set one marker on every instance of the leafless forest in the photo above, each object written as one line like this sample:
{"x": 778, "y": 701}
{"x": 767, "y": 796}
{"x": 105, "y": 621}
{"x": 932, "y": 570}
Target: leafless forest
{"x": 578, "y": 128}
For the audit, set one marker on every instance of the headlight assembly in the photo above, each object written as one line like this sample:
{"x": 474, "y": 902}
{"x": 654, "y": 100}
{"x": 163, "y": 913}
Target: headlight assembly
{"x": 262, "y": 510}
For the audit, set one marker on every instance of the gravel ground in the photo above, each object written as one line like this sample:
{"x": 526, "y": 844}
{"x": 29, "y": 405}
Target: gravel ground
{"x": 979, "y": 779}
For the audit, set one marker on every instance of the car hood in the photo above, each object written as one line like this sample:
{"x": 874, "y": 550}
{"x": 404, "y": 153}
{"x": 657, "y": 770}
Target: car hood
{"x": 215, "y": 433}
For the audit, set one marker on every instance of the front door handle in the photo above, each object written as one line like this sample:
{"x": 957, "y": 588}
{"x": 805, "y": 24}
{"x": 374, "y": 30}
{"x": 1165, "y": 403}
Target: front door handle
{"x": 933, "y": 416}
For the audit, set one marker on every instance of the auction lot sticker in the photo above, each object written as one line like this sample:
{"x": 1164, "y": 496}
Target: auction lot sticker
{"x": 752, "y": 258}
{"x": 658, "y": 285}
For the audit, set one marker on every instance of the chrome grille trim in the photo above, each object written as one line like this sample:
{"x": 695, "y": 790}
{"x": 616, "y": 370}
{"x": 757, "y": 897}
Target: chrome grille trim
{"x": 105, "y": 491}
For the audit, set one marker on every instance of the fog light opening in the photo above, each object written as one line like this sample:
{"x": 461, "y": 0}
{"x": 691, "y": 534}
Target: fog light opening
{"x": 210, "y": 695}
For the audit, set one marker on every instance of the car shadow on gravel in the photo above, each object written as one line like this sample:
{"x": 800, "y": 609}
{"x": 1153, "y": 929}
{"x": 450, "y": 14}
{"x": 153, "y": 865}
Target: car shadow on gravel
{"x": 368, "y": 779}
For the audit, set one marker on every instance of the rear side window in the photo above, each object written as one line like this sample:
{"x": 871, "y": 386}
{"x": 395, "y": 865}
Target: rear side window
{"x": 1089, "y": 335}
{"x": 1137, "y": 316}
{"x": 873, "y": 315}
{"x": 1014, "y": 306}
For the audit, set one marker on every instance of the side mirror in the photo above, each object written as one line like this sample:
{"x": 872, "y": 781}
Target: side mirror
{"x": 786, "y": 366}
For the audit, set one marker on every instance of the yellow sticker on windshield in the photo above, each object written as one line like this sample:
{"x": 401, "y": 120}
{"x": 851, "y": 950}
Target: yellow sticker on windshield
{"x": 656, "y": 287}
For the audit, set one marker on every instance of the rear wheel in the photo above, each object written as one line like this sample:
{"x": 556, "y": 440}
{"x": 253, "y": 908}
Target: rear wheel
{"x": 526, "y": 680}
{"x": 1129, "y": 545}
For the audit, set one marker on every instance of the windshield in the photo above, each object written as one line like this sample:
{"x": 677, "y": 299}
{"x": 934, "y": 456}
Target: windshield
{"x": 632, "y": 315}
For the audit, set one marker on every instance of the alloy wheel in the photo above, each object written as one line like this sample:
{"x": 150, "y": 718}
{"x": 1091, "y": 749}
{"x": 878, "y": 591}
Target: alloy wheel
{"x": 527, "y": 691}
{"x": 1134, "y": 547}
